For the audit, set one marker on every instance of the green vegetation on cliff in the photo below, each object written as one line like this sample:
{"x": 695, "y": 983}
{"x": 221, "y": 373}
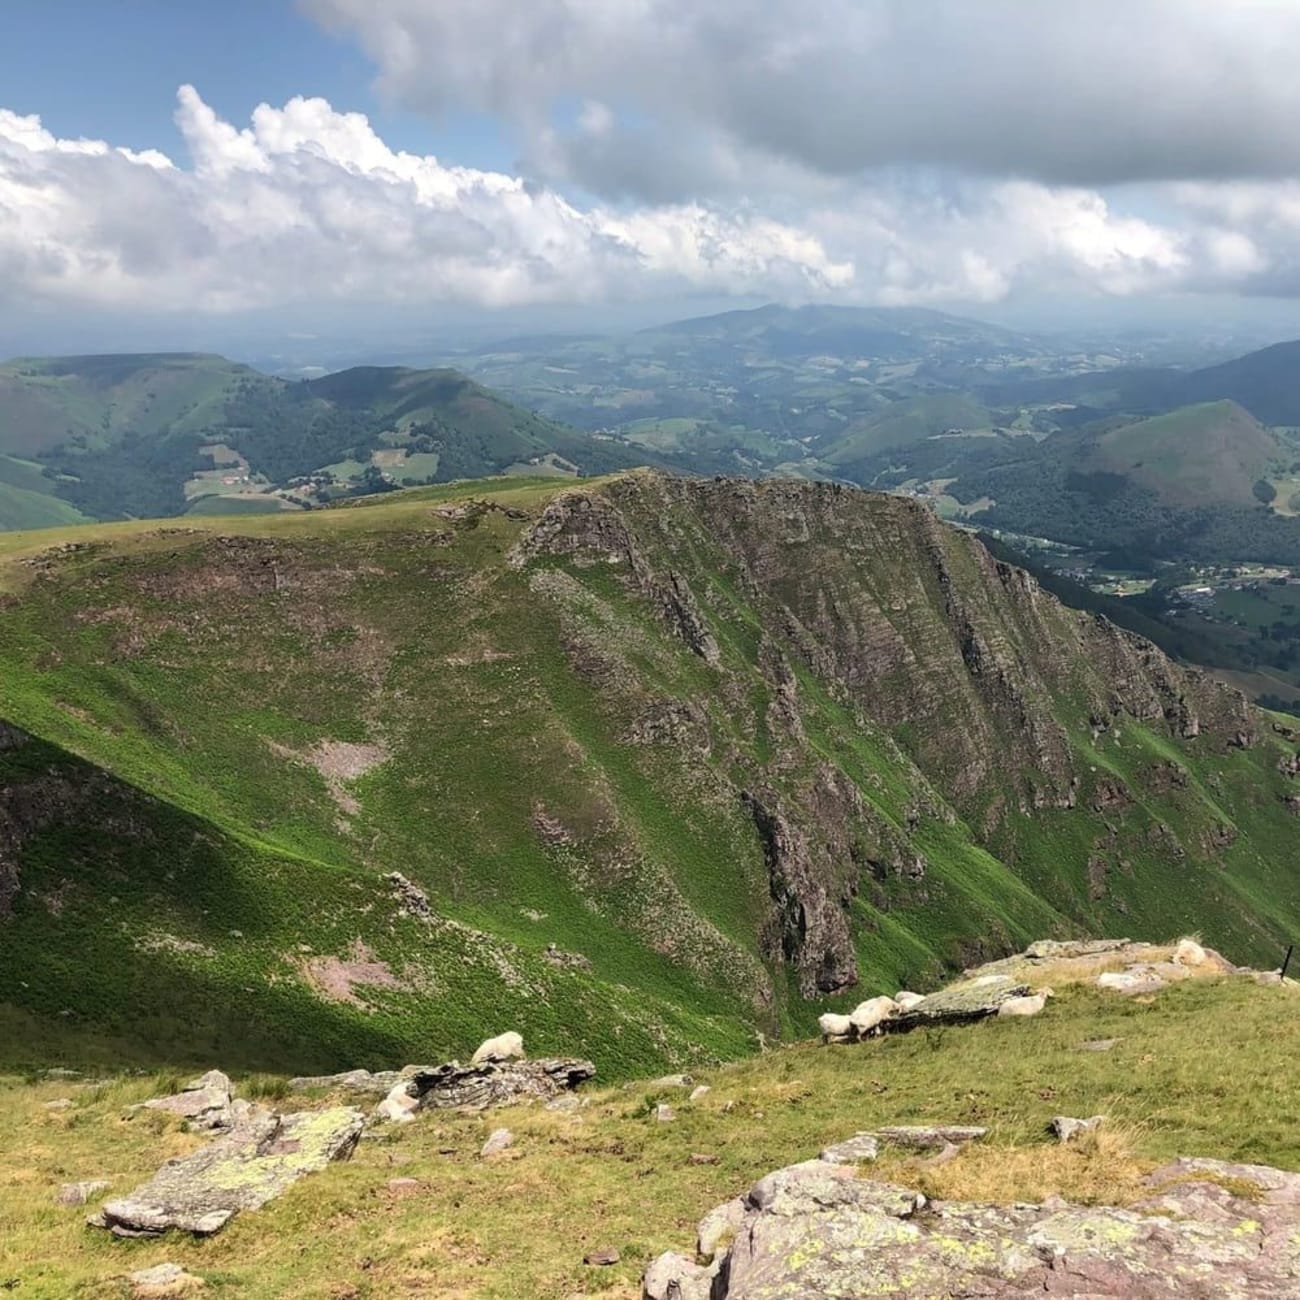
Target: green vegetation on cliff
{"x": 663, "y": 765}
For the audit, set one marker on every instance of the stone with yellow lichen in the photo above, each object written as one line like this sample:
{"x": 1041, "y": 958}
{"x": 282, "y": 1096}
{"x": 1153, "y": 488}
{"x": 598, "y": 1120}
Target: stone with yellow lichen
{"x": 261, "y": 1158}
{"x": 1207, "y": 1230}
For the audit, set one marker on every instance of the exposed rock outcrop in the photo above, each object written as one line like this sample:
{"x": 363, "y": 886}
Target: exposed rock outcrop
{"x": 362, "y": 1082}
{"x": 816, "y": 1230}
{"x": 206, "y": 1104}
{"x": 490, "y": 1083}
{"x": 260, "y": 1158}
{"x": 810, "y": 927}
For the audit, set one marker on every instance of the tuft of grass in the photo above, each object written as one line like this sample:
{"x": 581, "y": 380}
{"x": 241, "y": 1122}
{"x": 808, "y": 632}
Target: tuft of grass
{"x": 1104, "y": 1166}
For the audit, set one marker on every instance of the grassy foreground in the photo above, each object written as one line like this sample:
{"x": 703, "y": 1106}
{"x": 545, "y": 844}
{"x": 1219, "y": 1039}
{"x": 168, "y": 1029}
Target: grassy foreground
{"x": 1205, "y": 1069}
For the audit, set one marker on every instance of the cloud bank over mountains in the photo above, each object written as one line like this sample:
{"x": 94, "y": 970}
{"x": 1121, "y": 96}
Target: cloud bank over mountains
{"x": 1069, "y": 92}
{"x": 932, "y": 151}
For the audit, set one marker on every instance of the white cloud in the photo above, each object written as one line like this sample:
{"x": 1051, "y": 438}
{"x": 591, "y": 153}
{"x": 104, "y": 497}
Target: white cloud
{"x": 308, "y": 206}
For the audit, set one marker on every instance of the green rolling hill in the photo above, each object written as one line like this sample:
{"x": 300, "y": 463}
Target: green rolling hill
{"x": 1211, "y": 454}
{"x": 643, "y": 768}
{"x": 105, "y": 437}
{"x": 905, "y": 423}
{"x": 1266, "y": 383}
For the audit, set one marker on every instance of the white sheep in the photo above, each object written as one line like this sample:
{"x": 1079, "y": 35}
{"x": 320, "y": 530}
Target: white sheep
{"x": 833, "y": 1026}
{"x": 908, "y": 1000}
{"x": 1189, "y": 953}
{"x": 868, "y": 1016}
{"x": 1026, "y": 1006}
{"x": 504, "y": 1047}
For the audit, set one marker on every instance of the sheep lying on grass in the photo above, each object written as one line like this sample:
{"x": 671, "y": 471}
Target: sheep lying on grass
{"x": 1028, "y": 1006}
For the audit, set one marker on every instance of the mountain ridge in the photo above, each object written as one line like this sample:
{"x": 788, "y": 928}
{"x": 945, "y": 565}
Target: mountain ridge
{"x": 691, "y": 758}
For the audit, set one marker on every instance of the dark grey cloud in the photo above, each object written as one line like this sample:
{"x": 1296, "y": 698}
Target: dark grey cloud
{"x": 1083, "y": 92}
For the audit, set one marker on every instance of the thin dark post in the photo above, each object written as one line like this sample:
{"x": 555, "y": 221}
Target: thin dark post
{"x": 1287, "y": 960}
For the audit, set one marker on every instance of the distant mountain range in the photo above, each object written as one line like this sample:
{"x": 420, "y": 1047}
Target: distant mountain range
{"x": 1002, "y": 427}
{"x": 105, "y": 437}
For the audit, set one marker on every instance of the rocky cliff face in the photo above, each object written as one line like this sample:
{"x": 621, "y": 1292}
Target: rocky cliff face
{"x": 992, "y": 690}
{"x": 905, "y": 618}
{"x": 738, "y": 747}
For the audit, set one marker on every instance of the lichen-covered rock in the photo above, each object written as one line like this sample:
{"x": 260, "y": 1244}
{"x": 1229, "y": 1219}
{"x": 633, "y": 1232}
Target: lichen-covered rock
{"x": 1274, "y": 1186}
{"x": 501, "y": 1139}
{"x": 163, "y": 1280}
{"x": 717, "y": 1229}
{"x": 260, "y": 1158}
{"x": 859, "y": 1149}
{"x": 1067, "y": 1128}
{"x": 1131, "y": 983}
{"x": 80, "y": 1193}
{"x": 674, "y": 1277}
{"x": 807, "y": 1235}
{"x": 929, "y": 1137}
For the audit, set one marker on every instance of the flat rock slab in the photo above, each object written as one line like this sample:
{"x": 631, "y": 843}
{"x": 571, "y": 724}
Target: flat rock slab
{"x": 163, "y": 1280}
{"x": 1133, "y": 982}
{"x": 929, "y": 1137}
{"x": 363, "y": 1082}
{"x": 1069, "y": 949}
{"x": 805, "y": 1235}
{"x": 494, "y": 1083}
{"x": 860, "y": 1149}
{"x": 259, "y": 1160}
{"x": 958, "y": 1003}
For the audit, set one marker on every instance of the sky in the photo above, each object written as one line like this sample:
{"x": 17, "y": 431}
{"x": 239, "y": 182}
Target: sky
{"x": 184, "y": 172}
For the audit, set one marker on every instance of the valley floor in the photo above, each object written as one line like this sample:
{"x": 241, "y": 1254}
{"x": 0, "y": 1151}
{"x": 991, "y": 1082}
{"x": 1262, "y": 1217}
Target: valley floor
{"x": 1207, "y": 1069}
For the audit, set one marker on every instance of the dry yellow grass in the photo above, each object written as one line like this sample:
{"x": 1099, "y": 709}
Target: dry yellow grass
{"x": 609, "y": 1174}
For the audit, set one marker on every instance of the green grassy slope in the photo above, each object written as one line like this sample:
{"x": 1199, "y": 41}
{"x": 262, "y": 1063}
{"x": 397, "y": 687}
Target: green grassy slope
{"x": 47, "y": 400}
{"x": 1211, "y": 454}
{"x": 24, "y": 508}
{"x": 746, "y": 750}
{"x": 1266, "y": 383}
{"x": 903, "y": 423}
{"x": 473, "y": 430}
{"x": 1200, "y": 1071}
